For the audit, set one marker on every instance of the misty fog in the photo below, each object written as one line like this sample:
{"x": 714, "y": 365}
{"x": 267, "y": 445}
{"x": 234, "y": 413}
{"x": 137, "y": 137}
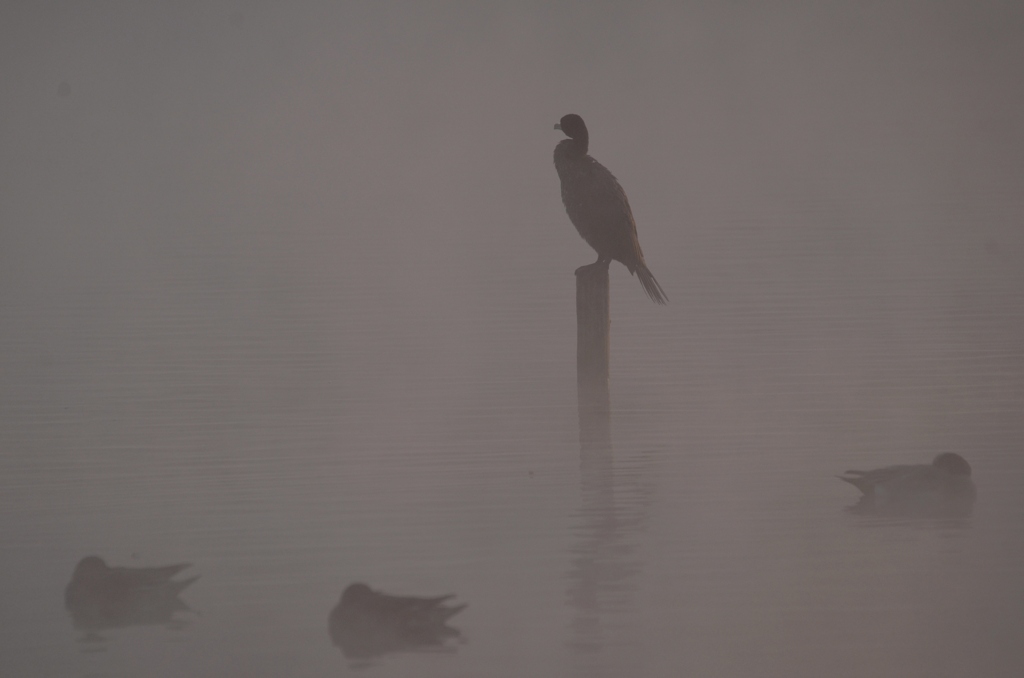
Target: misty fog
{"x": 287, "y": 292}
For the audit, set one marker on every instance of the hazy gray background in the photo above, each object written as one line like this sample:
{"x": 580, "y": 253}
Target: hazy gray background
{"x": 286, "y": 291}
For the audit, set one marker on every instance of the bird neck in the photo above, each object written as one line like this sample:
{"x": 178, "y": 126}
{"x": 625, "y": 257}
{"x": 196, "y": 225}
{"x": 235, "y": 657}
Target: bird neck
{"x": 581, "y": 143}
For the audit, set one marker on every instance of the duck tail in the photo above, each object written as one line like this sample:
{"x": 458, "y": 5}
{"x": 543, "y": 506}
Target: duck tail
{"x": 449, "y": 612}
{"x": 856, "y": 481}
{"x": 179, "y": 586}
{"x": 650, "y": 285}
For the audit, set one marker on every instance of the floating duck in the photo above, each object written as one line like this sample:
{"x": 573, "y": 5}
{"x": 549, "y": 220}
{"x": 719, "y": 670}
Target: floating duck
{"x": 103, "y": 597}
{"x": 941, "y": 489}
{"x": 366, "y": 623}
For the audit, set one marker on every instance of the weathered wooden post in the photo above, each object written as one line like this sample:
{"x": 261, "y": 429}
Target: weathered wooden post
{"x": 593, "y": 323}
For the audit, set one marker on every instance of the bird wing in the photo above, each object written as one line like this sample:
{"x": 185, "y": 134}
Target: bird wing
{"x": 602, "y": 214}
{"x": 146, "y": 576}
{"x": 401, "y": 604}
{"x": 868, "y": 481}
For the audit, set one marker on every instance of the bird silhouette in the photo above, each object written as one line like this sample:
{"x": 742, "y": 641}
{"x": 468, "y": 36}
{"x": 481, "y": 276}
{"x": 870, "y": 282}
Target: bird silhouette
{"x": 941, "y": 489}
{"x": 367, "y": 623}
{"x": 597, "y": 206}
{"x": 103, "y": 597}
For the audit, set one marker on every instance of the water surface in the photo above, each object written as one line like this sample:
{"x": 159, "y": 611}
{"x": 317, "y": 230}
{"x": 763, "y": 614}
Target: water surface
{"x": 303, "y": 319}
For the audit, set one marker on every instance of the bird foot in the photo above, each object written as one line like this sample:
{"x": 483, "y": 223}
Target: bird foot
{"x": 597, "y": 265}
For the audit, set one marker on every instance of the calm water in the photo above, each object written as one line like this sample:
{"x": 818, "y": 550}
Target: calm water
{"x": 290, "y": 439}
{"x": 303, "y": 319}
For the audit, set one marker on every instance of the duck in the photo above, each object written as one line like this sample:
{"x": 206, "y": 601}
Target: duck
{"x": 100, "y": 596}
{"x": 943, "y": 488}
{"x": 366, "y": 623}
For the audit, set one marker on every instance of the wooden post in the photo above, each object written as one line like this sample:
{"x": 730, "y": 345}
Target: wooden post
{"x": 593, "y": 323}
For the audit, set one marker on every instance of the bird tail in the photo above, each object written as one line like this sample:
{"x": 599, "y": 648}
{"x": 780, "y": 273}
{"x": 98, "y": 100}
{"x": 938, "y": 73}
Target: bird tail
{"x": 651, "y": 286}
{"x": 446, "y": 613}
{"x": 178, "y": 586}
{"x": 856, "y": 480}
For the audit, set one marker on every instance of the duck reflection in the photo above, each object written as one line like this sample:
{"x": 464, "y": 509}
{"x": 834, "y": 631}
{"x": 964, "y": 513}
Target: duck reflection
{"x": 367, "y": 623}
{"x": 942, "y": 489}
{"x": 102, "y": 597}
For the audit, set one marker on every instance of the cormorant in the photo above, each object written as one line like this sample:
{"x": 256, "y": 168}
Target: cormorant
{"x": 597, "y": 205}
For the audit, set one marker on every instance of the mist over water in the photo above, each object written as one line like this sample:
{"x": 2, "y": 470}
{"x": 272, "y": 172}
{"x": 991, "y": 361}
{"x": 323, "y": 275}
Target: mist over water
{"x": 286, "y": 292}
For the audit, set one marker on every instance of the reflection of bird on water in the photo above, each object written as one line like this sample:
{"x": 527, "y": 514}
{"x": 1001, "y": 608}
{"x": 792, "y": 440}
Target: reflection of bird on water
{"x": 366, "y": 623}
{"x": 597, "y": 205}
{"x": 941, "y": 489}
{"x": 104, "y": 597}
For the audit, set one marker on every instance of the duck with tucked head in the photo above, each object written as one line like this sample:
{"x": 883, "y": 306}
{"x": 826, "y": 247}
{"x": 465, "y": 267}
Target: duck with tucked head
{"x": 100, "y": 597}
{"x": 597, "y": 206}
{"x": 941, "y": 489}
{"x": 366, "y": 623}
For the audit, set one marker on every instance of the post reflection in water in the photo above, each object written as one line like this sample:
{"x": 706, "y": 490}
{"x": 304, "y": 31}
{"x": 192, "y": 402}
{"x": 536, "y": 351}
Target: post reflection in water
{"x": 605, "y": 564}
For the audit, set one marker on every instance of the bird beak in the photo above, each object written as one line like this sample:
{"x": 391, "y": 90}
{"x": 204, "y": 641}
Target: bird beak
{"x": 558, "y": 126}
